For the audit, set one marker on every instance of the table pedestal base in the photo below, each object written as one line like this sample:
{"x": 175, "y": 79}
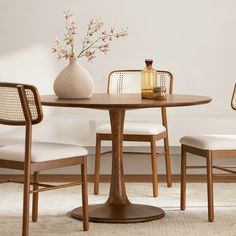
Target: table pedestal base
{"x": 129, "y": 213}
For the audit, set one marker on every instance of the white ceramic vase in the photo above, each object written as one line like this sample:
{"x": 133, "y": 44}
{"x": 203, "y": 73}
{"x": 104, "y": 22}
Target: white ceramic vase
{"x": 74, "y": 82}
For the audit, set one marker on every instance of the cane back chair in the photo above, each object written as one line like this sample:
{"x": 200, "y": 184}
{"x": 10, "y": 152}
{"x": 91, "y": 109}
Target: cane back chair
{"x": 209, "y": 147}
{"x": 20, "y": 105}
{"x": 129, "y": 81}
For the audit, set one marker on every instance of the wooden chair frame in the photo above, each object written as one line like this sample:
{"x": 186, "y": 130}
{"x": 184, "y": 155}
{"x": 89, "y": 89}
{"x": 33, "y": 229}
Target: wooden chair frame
{"x": 209, "y": 155}
{"x": 34, "y": 167}
{"x": 152, "y": 139}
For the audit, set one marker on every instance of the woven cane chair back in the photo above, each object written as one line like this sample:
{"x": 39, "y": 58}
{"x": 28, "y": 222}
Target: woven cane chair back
{"x": 13, "y": 106}
{"x": 129, "y": 81}
{"x": 233, "y": 102}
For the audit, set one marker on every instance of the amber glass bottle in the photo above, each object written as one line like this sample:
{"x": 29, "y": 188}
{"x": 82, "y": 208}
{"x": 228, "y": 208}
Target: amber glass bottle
{"x": 148, "y": 79}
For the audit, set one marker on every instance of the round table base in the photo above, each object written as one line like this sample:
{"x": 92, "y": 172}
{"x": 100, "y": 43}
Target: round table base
{"x": 105, "y": 213}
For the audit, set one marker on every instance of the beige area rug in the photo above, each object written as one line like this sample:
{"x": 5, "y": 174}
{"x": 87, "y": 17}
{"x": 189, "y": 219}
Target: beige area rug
{"x": 55, "y": 205}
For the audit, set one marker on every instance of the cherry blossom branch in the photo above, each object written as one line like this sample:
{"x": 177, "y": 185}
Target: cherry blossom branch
{"x": 95, "y": 39}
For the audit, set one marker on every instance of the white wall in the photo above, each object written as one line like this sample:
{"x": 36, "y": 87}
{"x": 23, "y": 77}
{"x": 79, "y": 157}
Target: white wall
{"x": 194, "y": 39}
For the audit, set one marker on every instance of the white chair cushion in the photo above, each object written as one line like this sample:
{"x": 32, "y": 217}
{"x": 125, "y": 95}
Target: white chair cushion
{"x": 41, "y": 152}
{"x": 135, "y": 128}
{"x": 10, "y": 141}
{"x": 211, "y": 142}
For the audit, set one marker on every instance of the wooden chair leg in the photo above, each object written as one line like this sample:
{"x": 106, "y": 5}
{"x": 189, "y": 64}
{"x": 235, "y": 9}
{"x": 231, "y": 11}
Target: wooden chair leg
{"x": 154, "y": 167}
{"x": 97, "y": 164}
{"x": 168, "y": 164}
{"x": 35, "y": 198}
{"x": 183, "y": 180}
{"x": 210, "y": 188}
{"x": 26, "y": 202}
{"x": 85, "y": 195}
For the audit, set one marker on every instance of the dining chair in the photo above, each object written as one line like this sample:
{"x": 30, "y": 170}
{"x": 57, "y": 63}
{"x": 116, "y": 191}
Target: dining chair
{"x": 129, "y": 81}
{"x": 20, "y": 106}
{"x": 209, "y": 147}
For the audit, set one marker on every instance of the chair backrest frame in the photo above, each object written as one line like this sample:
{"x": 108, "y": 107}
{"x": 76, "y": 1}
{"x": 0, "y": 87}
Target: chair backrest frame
{"x": 233, "y": 100}
{"x": 28, "y": 100}
{"x": 133, "y": 71}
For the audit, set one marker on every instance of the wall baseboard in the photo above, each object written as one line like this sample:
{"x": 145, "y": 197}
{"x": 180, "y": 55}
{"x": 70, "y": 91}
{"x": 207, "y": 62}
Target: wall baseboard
{"x": 197, "y": 178}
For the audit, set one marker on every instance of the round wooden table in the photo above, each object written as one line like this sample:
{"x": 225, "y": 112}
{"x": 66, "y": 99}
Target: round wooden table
{"x": 118, "y": 208}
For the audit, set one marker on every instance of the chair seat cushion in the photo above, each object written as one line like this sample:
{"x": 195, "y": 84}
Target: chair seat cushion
{"x": 211, "y": 142}
{"x": 42, "y": 152}
{"x": 135, "y": 128}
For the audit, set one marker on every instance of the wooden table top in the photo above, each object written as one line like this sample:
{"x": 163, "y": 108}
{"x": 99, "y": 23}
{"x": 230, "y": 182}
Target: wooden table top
{"x": 126, "y": 101}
